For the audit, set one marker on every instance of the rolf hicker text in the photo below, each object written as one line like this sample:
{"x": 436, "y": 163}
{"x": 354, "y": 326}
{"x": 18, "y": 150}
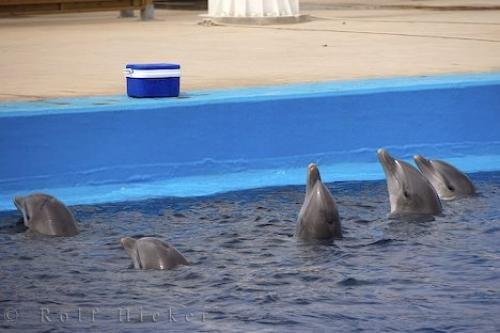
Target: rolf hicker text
{"x": 121, "y": 315}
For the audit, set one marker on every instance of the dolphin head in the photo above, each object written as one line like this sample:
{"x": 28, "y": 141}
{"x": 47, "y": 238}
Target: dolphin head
{"x": 312, "y": 176}
{"x": 409, "y": 192}
{"x": 31, "y": 205}
{"x": 440, "y": 184}
{"x": 448, "y": 181}
{"x": 128, "y": 243}
{"x": 45, "y": 214}
{"x": 130, "y": 246}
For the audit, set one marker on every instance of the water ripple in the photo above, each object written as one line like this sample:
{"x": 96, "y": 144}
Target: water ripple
{"x": 249, "y": 273}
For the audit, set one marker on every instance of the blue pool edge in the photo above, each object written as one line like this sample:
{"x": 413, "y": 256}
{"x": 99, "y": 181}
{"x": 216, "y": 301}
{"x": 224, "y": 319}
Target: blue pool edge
{"x": 107, "y": 148}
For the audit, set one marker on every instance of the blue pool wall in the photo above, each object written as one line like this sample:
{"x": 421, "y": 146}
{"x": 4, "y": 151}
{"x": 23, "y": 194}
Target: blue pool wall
{"x": 114, "y": 148}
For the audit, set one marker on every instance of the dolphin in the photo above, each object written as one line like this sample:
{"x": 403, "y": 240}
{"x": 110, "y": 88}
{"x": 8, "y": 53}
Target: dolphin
{"x": 46, "y": 215}
{"x": 152, "y": 253}
{"x": 318, "y": 217}
{"x": 448, "y": 181}
{"x": 410, "y": 193}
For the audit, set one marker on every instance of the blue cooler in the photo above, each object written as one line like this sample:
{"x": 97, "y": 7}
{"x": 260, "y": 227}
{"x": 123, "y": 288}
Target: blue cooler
{"x": 153, "y": 80}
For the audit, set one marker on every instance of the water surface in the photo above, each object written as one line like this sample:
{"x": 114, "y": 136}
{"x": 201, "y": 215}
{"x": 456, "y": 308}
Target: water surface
{"x": 249, "y": 273}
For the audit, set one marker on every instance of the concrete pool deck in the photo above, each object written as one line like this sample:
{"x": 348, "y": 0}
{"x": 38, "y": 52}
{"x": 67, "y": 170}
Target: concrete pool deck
{"x": 83, "y": 54}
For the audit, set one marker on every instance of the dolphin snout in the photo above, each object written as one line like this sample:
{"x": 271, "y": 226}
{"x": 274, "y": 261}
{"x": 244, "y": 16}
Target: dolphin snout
{"x": 312, "y": 167}
{"x": 18, "y": 200}
{"x": 313, "y": 172}
{"x": 127, "y": 242}
{"x": 420, "y": 158}
{"x": 388, "y": 162}
{"x": 421, "y": 162}
{"x": 384, "y": 156}
{"x": 20, "y": 204}
{"x": 312, "y": 176}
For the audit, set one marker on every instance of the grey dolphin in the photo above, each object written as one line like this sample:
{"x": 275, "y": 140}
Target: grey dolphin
{"x": 45, "y": 214}
{"x": 410, "y": 193}
{"x": 448, "y": 181}
{"x": 318, "y": 217}
{"x": 152, "y": 253}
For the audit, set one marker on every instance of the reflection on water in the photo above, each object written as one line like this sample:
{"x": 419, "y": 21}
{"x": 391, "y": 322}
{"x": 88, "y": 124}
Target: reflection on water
{"x": 250, "y": 274}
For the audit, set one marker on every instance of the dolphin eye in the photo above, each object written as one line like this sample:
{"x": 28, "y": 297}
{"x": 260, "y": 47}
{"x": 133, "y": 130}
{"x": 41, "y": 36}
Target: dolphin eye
{"x": 451, "y": 188}
{"x": 405, "y": 193}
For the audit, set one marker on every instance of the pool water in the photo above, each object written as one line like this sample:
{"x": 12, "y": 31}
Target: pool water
{"x": 249, "y": 273}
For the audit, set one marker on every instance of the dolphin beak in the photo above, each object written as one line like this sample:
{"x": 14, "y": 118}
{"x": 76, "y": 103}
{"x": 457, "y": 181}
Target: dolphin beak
{"x": 421, "y": 162}
{"x": 127, "y": 242}
{"x": 312, "y": 176}
{"x": 313, "y": 172}
{"x": 18, "y": 202}
{"x": 312, "y": 167}
{"x": 387, "y": 161}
